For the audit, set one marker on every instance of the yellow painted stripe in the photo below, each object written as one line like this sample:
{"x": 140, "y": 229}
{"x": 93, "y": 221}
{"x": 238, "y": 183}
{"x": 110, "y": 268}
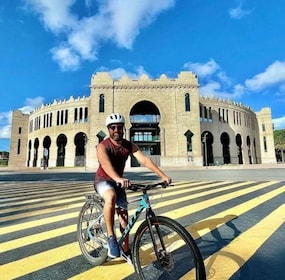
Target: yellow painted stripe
{"x": 224, "y": 263}
{"x": 210, "y": 202}
{"x": 40, "y": 222}
{"x": 41, "y": 203}
{"x": 39, "y": 261}
{"x": 10, "y": 245}
{"x": 39, "y": 212}
{"x": 200, "y": 194}
{"x": 110, "y": 272}
{"x": 40, "y": 193}
{"x": 61, "y": 253}
{"x": 198, "y": 229}
{"x": 107, "y": 271}
{"x": 44, "y": 211}
{"x": 211, "y": 223}
{"x": 34, "y": 238}
{"x": 34, "y": 199}
{"x": 48, "y": 201}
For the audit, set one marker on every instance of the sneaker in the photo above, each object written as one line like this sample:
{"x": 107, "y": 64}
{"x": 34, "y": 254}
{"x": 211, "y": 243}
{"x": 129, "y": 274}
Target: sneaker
{"x": 127, "y": 256}
{"x": 113, "y": 247}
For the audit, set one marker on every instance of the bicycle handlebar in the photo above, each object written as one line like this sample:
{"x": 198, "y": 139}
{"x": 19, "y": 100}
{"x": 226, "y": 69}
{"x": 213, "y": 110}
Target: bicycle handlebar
{"x": 145, "y": 187}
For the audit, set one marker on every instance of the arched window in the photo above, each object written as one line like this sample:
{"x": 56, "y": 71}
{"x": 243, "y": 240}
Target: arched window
{"x": 187, "y": 102}
{"x": 101, "y": 103}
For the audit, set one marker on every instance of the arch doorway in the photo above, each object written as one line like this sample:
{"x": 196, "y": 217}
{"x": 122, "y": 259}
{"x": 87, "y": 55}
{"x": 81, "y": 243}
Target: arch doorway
{"x": 36, "y": 151}
{"x": 46, "y": 145}
{"x": 239, "y": 148}
{"x": 225, "y": 140}
{"x": 80, "y": 141}
{"x": 248, "y": 143}
{"x": 207, "y": 141}
{"x": 61, "y": 143}
{"x": 145, "y": 131}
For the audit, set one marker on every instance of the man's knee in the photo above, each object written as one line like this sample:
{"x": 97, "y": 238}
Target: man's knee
{"x": 109, "y": 197}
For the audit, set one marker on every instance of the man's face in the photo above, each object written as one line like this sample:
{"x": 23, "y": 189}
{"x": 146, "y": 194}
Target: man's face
{"x": 116, "y": 131}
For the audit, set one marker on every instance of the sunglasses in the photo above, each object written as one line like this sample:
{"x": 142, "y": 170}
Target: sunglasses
{"x": 118, "y": 127}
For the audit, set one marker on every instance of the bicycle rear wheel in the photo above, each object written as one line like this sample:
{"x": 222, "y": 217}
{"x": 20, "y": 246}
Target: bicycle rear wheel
{"x": 173, "y": 254}
{"x": 91, "y": 233}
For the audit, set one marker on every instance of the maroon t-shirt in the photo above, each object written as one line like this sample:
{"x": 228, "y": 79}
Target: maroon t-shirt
{"x": 118, "y": 156}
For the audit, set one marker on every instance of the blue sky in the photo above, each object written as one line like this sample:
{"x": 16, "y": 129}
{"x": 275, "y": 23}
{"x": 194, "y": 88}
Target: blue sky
{"x": 49, "y": 49}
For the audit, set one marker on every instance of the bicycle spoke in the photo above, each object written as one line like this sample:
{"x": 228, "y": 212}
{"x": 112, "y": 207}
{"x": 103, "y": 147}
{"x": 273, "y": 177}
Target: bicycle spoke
{"x": 92, "y": 234}
{"x": 174, "y": 260}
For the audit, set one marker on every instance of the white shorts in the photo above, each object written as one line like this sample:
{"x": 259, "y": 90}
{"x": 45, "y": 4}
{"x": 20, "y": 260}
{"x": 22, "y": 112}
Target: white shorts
{"x": 121, "y": 200}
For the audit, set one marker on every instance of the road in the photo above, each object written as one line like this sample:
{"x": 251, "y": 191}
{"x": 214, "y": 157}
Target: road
{"x": 236, "y": 216}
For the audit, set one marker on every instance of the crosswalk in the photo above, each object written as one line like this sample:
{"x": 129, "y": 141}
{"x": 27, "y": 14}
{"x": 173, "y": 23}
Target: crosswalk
{"x": 233, "y": 223}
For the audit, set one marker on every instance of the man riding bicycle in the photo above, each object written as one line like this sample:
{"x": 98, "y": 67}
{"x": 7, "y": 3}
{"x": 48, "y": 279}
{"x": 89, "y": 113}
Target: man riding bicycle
{"x": 112, "y": 154}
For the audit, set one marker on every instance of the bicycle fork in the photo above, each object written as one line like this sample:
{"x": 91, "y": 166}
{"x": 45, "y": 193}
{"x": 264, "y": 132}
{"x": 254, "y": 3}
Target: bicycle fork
{"x": 154, "y": 228}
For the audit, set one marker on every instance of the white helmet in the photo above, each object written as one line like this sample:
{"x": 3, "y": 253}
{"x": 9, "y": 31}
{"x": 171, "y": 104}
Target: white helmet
{"x": 115, "y": 118}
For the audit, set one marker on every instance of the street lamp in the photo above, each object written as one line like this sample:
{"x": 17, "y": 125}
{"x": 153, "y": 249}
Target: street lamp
{"x": 205, "y": 145}
{"x": 85, "y": 143}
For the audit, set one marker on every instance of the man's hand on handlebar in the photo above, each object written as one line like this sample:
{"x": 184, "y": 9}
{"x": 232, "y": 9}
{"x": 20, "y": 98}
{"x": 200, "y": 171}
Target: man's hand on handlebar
{"x": 123, "y": 183}
{"x": 167, "y": 179}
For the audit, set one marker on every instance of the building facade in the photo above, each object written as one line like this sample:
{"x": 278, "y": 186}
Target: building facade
{"x": 165, "y": 117}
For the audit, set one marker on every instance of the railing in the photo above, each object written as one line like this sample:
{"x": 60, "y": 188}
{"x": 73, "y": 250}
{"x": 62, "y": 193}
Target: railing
{"x": 145, "y": 138}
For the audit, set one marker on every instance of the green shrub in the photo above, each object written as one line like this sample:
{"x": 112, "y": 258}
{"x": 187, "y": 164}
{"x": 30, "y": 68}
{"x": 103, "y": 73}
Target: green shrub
{"x": 4, "y": 162}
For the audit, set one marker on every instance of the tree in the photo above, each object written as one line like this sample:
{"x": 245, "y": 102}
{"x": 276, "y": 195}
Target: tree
{"x": 279, "y": 139}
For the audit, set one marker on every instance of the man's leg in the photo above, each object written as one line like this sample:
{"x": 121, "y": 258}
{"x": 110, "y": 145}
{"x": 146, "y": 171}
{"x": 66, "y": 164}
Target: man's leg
{"x": 109, "y": 197}
{"x": 107, "y": 192}
{"x": 123, "y": 218}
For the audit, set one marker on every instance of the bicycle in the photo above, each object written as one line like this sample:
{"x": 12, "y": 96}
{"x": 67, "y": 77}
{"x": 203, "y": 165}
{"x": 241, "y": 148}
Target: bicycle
{"x": 162, "y": 248}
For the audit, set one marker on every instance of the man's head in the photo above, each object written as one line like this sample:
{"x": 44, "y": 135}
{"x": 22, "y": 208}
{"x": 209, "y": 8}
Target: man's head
{"x": 115, "y": 124}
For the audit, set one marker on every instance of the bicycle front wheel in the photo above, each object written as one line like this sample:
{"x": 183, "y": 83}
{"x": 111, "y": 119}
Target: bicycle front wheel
{"x": 91, "y": 233}
{"x": 166, "y": 251}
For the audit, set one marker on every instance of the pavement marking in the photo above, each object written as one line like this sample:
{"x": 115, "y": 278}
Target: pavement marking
{"x": 39, "y": 261}
{"x": 34, "y": 238}
{"x": 44, "y": 259}
{"x": 38, "y": 222}
{"x": 174, "y": 214}
{"x": 224, "y": 263}
{"x": 39, "y": 212}
{"x": 35, "y": 212}
{"x": 108, "y": 271}
{"x": 213, "y": 222}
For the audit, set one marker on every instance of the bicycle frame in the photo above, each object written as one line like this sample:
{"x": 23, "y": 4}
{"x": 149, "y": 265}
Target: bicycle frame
{"x": 143, "y": 205}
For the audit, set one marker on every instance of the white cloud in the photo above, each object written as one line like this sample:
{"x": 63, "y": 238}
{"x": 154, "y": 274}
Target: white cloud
{"x": 55, "y": 15}
{"x": 202, "y": 69}
{"x": 239, "y": 12}
{"x": 128, "y": 17}
{"x": 119, "y": 72}
{"x": 214, "y": 81}
{"x": 274, "y": 74}
{"x": 32, "y": 103}
{"x": 6, "y": 117}
{"x": 67, "y": 59}
{"x": 5, "y": 125}
{"x": 81, "y": 36}
{"x": 279, "y": 123}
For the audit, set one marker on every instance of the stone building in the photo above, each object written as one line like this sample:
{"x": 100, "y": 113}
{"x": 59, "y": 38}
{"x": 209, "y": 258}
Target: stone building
{"x": 166, "y": 117}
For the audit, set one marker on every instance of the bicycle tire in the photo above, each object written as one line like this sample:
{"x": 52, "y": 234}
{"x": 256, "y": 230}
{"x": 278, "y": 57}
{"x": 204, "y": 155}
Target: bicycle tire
{"x": 93, "y": 245}
{"x": 181, "y": 259}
